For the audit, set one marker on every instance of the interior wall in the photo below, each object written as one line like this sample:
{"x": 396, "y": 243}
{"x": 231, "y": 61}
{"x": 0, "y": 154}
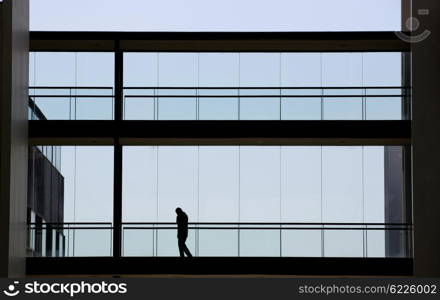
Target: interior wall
{"x": 13, "y": 136}
{"x": 426, "y": 141}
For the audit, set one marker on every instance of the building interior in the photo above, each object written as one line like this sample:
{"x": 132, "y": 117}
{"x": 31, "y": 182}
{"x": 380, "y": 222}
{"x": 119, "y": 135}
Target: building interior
{"x": 292, "y": 153}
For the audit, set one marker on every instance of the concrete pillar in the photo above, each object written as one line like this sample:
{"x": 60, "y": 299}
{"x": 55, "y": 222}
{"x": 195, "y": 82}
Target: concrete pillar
{"x": 426, "y": 140}
{"x": 14, "y": 48}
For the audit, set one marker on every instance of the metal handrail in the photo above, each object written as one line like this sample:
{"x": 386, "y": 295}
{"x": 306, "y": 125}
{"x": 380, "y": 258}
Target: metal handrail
{"x": 223, "y": 87}
{"x": 72, "y": 87}
{"x": 197, "y": 95}
{"x": 68, "y": 225}
{"x": 72, "y": 223}
{"x": 268, "y": 223}
{"x": 270, "y": 228}
{"x": 226, "y": 88}
{"x": 265, "y": 88}
{"x": 281, "y": 226}
{"x": 239, "y": 225}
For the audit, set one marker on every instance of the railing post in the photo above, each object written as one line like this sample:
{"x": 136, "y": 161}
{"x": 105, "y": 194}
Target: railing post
{"x": 322, "y": 241}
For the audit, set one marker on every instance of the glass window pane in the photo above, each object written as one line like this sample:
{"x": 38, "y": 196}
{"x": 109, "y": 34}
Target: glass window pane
{"x": 178, "y": 69}
{"x": 138, "y": 242}
{"x": 71, "y": 189}
{"x": 259, "y": 184}
{"x": 55, "y": 69}
{"x": 72, "y": 86}
{"x": 177, "y": 182}
{"x": 141, "y": 69}
{"x": 218, "y": 70}
{"x": 260, "y": 242}
{"x": 301, "y": 243}
{"x": 88, "y": 183}
{"x": 374, "y": 184}
{"x": 260, "y": 70}
{"x": 342, "y": 184}
{"x": 95, "y": 69}
{"x": 140, "y": 185}
{"x": 383, "y": 70}
{"x": 301, "y": 184}
{"x": 345, "y": 243}
{"x": 342, "y": 70}
{"x": 320, "y": 75}
{"x": 301, "y": 70}
{"x": 218, "y": 242}
{"x": 219, "y": 184}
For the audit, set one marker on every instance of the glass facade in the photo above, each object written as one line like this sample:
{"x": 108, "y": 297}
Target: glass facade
{"x": 72, "y": 85}
{"x": 220, "y": 86}
{"x": 263, "y": 86}
{"x": 275, "y": 201}
{"x": 266, "y": 201}
{"x": 273, "y": 186}
{"x": 80, "y": 194}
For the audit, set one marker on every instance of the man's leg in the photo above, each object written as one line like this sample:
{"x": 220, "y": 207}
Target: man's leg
{"x": 182, "y": 247}
{"x": 187, "y": 252}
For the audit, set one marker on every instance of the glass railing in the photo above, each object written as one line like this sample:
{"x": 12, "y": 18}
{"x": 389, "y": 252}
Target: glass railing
{"x": 224, "y": 239}
{"x": 266, "y": 103}
{"x": 270, "y": 239}
{"x": 71, "y": 103}
{"x": 70, "y": 239}
{"x": 223, "y": 103}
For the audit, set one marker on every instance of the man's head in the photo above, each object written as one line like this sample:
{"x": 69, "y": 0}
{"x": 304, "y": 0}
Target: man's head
{"x": 179, "y": 211}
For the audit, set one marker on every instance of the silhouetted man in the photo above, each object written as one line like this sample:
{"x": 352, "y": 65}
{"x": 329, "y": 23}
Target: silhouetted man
{"x": 182, "y": 232}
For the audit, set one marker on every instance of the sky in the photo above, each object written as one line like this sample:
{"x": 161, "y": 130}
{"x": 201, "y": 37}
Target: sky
{"x": 215, "y": 15}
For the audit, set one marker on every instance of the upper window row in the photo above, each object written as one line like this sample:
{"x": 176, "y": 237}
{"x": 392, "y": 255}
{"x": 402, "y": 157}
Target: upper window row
{"x": 221, "y": 86}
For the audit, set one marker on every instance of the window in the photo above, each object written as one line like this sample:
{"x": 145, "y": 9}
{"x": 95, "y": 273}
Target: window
{"x": 261, "y": 184}
{"x": 75, "y": 199}
{"x": 263, "y": 86}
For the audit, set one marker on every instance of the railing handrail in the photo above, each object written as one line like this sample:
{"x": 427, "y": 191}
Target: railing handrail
{"x": 269, "y": 223}
{"x": 224, "y": 87}
{"x": 362, "y": 95}
{"x": 71, "y": 87}
{"x": 232, "y": 223}
{"x": 219, "y": 96}
{"x": 71, "y": 223}
{"x": 274, "y": 228}
{"x": 263, "y": 87}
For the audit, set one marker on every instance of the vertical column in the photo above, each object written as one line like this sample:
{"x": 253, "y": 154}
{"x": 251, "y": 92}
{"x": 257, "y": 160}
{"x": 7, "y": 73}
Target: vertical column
{"x": 395, "y": 208}
{"x": 426, "y": 141}
{"x": 406, "y": 13}
{"x": 14, "y": 64}
{"x": 406, "y": 83}
{"x": 117, "y": 177}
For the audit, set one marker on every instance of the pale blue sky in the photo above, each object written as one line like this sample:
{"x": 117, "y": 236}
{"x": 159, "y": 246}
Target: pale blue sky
{"x": 215, "y": 15}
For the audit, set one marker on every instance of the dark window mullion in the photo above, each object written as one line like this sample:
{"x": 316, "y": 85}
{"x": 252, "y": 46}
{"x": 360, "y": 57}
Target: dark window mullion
{"x": 117, "y": 172}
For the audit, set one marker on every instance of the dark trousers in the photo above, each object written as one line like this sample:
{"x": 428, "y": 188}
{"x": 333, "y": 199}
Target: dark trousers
{"x": 183, "y": 249}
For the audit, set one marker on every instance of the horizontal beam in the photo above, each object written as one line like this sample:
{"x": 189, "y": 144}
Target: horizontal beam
{"x": 52, "y": 132}
{"x": 219, "y": 41}
{"x": 219, "y": 265}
